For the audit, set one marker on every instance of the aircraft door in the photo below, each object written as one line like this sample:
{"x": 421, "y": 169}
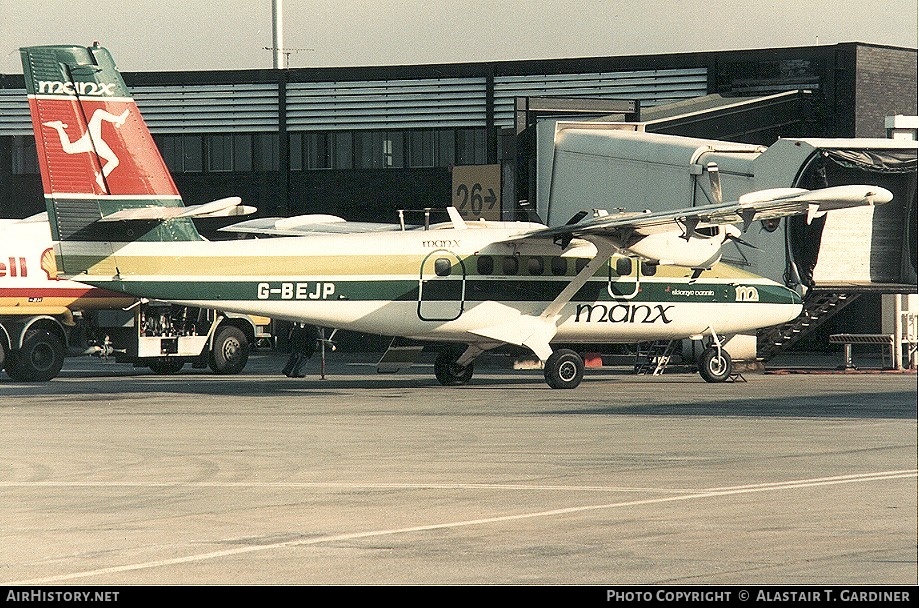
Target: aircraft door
{"x": 441, "y": 287}
{"x": 624, "y": 282}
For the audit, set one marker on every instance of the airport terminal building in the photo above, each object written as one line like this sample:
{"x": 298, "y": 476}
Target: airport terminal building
{"x": 364, "y": 143}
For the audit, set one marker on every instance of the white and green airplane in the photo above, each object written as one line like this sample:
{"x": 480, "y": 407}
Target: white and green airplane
{"x": 119, "y": 223}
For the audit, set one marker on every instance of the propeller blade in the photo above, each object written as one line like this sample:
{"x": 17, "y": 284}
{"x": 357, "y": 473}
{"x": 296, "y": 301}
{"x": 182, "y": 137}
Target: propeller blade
{"x": 714, "y": 178}
{"x": 740, "y": 241}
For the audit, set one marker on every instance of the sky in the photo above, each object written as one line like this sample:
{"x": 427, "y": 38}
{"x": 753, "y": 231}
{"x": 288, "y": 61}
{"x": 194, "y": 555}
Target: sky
{"x": 167, "y": 35}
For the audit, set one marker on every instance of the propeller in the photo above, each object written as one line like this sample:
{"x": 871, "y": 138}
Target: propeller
{"x": 739, "y": 241}
{"x": 731, "y": 233}
{"x": 714, "y": 179}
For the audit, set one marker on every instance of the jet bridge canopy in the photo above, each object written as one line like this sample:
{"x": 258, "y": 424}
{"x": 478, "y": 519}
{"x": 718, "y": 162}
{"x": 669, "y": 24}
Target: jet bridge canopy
{"x": 609, "y": 166}
{"x": 866, "y": 249}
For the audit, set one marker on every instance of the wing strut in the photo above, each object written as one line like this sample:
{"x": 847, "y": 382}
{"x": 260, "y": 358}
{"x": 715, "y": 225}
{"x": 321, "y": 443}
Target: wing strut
{"x": 605, "y": 250}
{"x": 537, "y": 332}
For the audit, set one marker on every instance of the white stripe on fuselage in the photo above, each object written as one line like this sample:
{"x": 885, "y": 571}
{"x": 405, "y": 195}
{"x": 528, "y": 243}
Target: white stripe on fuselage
{"x": 654, "y": 321}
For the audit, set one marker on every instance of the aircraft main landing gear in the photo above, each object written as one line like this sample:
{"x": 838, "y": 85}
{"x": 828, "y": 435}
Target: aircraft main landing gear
{"x": 564, "y": 369}
{"x": 448, "y": 372}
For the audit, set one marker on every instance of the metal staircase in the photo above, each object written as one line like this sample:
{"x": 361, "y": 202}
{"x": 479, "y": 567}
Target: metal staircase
{"x": 819, "y": 306}
{"x": 652, "y": 357}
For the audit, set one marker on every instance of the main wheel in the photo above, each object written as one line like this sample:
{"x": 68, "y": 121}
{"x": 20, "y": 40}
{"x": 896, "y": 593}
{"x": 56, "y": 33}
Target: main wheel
{"x": 166, "y": 366}
{"x": 714, "y": 367}
{"x": 564, "y": 369}
{"x": 230, "y": 351}
{"x": 448, "y": 372}
{"x": 40, "y": 359}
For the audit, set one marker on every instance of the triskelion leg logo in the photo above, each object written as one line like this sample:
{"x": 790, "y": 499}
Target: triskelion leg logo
{"x": 92, "y": 140}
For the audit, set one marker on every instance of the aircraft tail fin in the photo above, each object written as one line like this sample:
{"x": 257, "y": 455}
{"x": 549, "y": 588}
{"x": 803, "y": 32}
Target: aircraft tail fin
{"x": 96, "y": 155}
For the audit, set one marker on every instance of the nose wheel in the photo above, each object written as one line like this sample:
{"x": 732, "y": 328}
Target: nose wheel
{"x": 564, "y": 369}
{"x": 715, "y": 364}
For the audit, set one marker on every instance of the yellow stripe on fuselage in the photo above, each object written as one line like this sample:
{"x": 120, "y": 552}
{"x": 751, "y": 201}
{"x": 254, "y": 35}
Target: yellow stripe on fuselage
{"x": 341, "y": 256}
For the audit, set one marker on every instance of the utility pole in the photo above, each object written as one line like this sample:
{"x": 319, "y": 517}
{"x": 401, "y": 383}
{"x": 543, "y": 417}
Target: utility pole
{"x": 281, "y": 55}
{"x": 277, "y": 33}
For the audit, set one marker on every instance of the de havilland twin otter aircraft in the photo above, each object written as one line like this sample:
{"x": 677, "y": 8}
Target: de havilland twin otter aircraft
{"x": 119, "y": 224}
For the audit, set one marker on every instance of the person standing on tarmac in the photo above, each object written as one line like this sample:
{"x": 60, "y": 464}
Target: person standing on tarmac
{"x": 301, "y": 340}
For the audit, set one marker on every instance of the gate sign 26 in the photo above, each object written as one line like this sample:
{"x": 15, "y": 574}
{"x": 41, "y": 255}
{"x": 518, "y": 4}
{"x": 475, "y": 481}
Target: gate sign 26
{"x": 477, "y": 191}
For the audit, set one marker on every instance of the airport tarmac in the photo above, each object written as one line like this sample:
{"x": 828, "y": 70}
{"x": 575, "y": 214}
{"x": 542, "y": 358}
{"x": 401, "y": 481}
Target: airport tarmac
{"x": 116, "y": 476}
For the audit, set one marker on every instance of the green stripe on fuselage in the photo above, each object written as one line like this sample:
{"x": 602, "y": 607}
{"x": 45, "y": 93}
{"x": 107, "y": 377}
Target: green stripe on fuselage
{"x": 470, "y": 290}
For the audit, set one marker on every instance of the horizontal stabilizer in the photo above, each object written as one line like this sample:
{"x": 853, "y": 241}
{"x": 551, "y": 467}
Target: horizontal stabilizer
{"x": 225, "y": 207}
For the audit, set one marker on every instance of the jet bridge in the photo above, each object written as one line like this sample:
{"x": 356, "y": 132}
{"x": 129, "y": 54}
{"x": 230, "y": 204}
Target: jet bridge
{"x": 833, "y": 259}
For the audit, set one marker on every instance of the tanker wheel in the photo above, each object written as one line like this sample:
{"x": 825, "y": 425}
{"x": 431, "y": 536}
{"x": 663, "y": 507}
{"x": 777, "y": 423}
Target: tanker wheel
{"x": 40, "y": 359}
{"x": 166, "y": 366}
{"x": 230, "y": 351}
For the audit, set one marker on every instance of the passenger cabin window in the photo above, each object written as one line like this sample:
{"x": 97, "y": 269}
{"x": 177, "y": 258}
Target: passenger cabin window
{"x": 510, "y": 265}
{"x": 623, "y": 266}
{"x": 559, "y": 266}
{"x": 648, "y": 269}
{"x": 580, "y": 264}
{"x": 442, "y": 267}
{"x": 535, "y": 266}
{"x": 485, "y": 264}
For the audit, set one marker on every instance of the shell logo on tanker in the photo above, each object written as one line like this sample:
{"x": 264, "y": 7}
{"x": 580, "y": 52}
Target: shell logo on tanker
{"x": 14, "y": 268}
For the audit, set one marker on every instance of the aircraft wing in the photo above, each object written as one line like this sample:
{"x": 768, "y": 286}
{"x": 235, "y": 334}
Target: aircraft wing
{"x": 302, "y": 225}
{"x": 318, "y": 223}
{"x": 623, "y": 228}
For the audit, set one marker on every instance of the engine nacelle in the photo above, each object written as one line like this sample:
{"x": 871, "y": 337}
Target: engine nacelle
{"x": 701, "y": 250}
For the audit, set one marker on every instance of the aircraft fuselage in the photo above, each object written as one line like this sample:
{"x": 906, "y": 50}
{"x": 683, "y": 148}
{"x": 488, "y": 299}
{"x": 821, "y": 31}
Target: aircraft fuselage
{"x": 441, "y": 284}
